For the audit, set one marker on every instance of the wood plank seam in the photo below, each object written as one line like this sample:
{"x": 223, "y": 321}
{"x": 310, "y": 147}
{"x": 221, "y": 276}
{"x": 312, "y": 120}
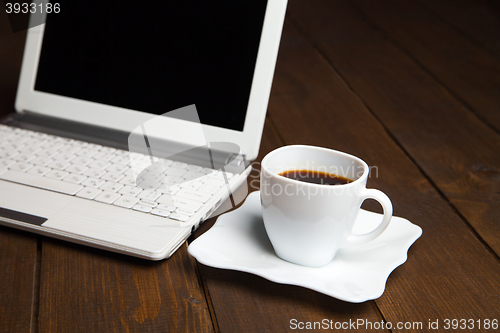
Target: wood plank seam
{"x": 379, "y": 312}
{"x": 420, "y": 65}
{"x": 461, "y": 32}
{"x": 208, "y": 299}
{"x": 275, "y": 130}
{"x": 391, "y": 135}
{"x": 35, "y": 305}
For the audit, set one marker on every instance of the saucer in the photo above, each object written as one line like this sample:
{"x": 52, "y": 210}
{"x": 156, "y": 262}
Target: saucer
{"x": 238, "y": 241}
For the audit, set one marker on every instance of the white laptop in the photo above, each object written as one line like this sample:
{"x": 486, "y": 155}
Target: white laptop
{"x": 135, "y": 121}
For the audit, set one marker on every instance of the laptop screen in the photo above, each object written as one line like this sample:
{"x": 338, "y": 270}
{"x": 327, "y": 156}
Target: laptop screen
{"x": 155, "y": 56}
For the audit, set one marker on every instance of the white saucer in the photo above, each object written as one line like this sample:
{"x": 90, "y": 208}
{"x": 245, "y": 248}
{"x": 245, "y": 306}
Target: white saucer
{"x": 238, "y": 241}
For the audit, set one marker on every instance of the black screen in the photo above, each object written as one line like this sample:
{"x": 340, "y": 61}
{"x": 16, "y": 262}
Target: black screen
{"x": 155, "y": 56}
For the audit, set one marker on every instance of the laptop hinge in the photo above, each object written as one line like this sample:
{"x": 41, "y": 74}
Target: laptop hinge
{"x": 203, "y": 156}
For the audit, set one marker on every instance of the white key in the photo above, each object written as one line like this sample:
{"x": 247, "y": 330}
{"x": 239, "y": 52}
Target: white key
{"x": 195, "y": 168}
{"x": 31, "y": 150}
{"x": 180, "y": 165}
{"x": 111, "y": 186}
{"x": 222, "y": 175}
{"x": 19, "y": 136}
{"x": 41, "y": 182}
{"x": 107, "y": 150}
{"x": 93, "y": 182}
{"x": 142, "y": 208}
{"x": 80, "y": 144}
{"x": 166, "y": 208}
{"x": 74, "y": 178}
{"x": 172, "y": 180}
{"x": 120, "y": 152}
{"x": 24, "y": 158}
{"x": 104, "y": 156}
{"x": 212, "y": 181}
{"x": 124, "y": 160}
{"x": 7, "y": 153}
{"x": 82, "y": 160}
{"x": 39, "y": 170}
{"x": 159, "y": 212}
{"x": 69, "y": 148}
{"x": 136, "y": 156}
{"x": 64, "y": 157}
{"x": 179, "y": 217}
{"x": 191, "y": 175}
{"x": 112, "y": 176}
{"x": 168, "y": 189}
{"x": 166, "y": 161}
{"x": 127, "y": 180}
{"x": 12, "y": 145}
{"x": 47, "y": 153}
{"x": 94, "y": 146}
{"x": 59, "y": 165}
{"x": 207, "y": 170}
{"x": 5, "y": 136}
{"x": 5, "y": 162}
{"x": 31, "y": 144}
{"x": 117, "y": 168}
{"x": 51, "y": 143}
{"x": 148, "y": 203}
{"x": 179, "y": 202}
{"x": 99, "y": 164}
{"x": 151, "y": 177}
{"x": 193, "y": 185}
{"x": 193, "y": 195}
{"x": 20, "y": 166}
{"x": 41, "y": 161}
{"x": 94, "y": 172}
{"x": 149, "y": 184}
{"x": 126, "y": 201}
{"x": 173, "y": 171}
{"x": 157, "y": 168}
{"x": 57, "y": 174}
{"x": 87, "y": 152}
{"x": 130, "y": 190}
{"x": 88, "y": 193}
{"x": 209, "y": 188}
{"x": 107, "y": 197}
{"x": 184, "y": 212}
{"x": 76, "y": 168}
{"x": 149, "y": 195}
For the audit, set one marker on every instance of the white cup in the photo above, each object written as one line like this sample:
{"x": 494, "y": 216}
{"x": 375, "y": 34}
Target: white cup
{"x": 308, "y": 223}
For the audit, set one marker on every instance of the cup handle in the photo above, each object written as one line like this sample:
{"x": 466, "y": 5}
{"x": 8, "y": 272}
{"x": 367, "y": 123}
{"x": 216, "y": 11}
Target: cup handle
{"x": 385, "y": 202}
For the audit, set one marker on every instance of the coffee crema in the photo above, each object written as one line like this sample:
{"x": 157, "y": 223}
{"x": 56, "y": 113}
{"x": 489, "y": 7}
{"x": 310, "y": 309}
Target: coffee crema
{"x": 315, "y": 177}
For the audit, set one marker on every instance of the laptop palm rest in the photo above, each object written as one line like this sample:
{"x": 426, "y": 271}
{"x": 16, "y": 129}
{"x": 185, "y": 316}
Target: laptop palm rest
{"x": 88, "y": 222}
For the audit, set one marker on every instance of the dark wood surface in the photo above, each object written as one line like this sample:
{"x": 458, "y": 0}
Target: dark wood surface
{"x": 411, "y": 87}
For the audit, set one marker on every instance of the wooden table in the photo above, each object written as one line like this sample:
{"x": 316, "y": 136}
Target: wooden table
{"x": 413, "y": 88}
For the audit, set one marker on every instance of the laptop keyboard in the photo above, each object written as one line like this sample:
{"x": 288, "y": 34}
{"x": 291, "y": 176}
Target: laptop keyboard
{"x": 168, "y": 188}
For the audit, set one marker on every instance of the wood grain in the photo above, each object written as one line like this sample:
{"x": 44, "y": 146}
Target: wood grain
{"x": 88, "y": 290}
{"x": 452, "y": 146}
{"x": 18, "y": 262}
{"x": 467, "y": 70}
{"x": 478, "y": 20}
{"x": 436, "y": 280}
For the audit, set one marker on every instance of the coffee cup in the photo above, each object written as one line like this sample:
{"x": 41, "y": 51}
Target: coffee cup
{"x": 310, "y": 199}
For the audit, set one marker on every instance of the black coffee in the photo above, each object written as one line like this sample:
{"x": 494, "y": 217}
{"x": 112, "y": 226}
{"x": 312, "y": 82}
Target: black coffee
{"x": 315, "y": 177}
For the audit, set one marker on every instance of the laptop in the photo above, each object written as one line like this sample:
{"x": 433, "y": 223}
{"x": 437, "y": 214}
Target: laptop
{"x": 134, "y": 122}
